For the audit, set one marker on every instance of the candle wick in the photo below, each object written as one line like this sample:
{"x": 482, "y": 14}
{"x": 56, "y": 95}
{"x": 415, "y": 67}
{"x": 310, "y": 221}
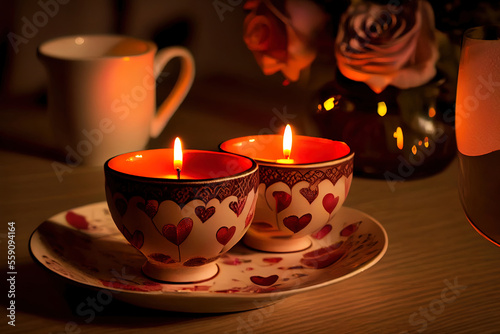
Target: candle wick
{"x": 178, "y": 173}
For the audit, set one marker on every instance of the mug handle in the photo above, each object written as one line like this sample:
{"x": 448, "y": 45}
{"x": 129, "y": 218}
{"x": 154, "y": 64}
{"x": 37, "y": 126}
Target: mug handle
{"x": 181, "y": 88}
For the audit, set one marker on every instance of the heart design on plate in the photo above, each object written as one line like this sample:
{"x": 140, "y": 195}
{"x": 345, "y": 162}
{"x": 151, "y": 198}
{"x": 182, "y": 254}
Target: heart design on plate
{"x": 264, "y": 281}
{"x": 349, "y": 229}
{"x": 283, "y": 200}
{"x": 295, "y": 224}
{"x": 77, "y": 221}
{"x": 237, "y": 207}
{"x": 330, "y": 202}
{"x": 323, "y": 232}
{"x": 225, "y": 234}
{"x": 150, "y": 208}
{"x": 121, "y": 206}
{"x": 309, "y": 194}
{"x": 177, "y": 234}
{"x": 204, "y": 213}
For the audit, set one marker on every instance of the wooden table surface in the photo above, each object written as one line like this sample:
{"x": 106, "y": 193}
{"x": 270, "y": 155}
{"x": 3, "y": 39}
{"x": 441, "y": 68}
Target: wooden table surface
{"x": 438, "y": 275}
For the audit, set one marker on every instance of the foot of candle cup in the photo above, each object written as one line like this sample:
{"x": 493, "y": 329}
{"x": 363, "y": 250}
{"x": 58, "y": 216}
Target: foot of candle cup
{"x": 180, "y": 275}
{"x": 275, "y": 244}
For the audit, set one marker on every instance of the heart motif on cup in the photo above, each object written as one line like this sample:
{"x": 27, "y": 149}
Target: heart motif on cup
{"x": 295, "y": 224}
{"x": 150, "y": 208}
{"x": 283, "y": 200}
{"x": 323, "y": 232}
{"x": 249, "y": 218}
{"x": 136, "y": 239}
{"x": 237, "y": 207}
{"x": 225, "y": 234}
{"x": 177, "y": 234}
{"x": 264, "y": 281}
{"x": 121, "y": 206}
{"x": 309, "y": 194}
{"x": 204, "y": 213}
{"x": 330, "y": 202}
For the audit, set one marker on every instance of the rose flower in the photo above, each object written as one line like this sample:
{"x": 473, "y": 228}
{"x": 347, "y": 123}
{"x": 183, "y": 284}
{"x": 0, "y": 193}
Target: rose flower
{"x": 283, "y": 40}
{"x": 383, "y": 45}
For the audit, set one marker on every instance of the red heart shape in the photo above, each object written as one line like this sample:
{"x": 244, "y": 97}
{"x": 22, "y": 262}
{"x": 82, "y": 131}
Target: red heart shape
{"x": 309, "y": 194}
{"x": 322, "y": 233}
{"x": 163, "y": 258}
{"x": 150, "y": 208}
{"x": 225, "y": 234}
{"x": 136, "y": 239}
{"x": 177, "y": 234}
{"x": 237, "y": 207}
{"x": 295, "y": 224}
{"x": 204, "y": 213}
{"x": 283, "y": 200}
{"x": 77, "y": 221}
{"x": 330, "y": 202}
{"x": 349, "y": 229}
{"x": 264, "y": 281}
{"x": 121, "y": 206}
{"x": 323, "y": 261}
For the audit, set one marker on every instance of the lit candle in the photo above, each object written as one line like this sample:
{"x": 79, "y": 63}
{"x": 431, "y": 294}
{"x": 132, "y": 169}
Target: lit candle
{"x": 287, "y": 146}
{"x": 271, "y": 149}
{"x": 296, "y": 196}
{"x": 178, "y": 157}
{"x": 166, "y": 163}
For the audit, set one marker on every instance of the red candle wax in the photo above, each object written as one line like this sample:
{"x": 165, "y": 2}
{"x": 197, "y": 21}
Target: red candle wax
{"x": 269, "y": 148}
{"x": 197, "y": 164}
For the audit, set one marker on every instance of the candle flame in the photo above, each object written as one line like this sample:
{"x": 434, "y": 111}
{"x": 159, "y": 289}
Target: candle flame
{"x": 177, "y": 154}
{"x": 287, "y": 142}
{"x": 329, "y": 104}
{"x": 381, "y": 109}
{"x": 432, "y": 112}
{"x": 414, "y": 150}
{"x": 399, "y": 137}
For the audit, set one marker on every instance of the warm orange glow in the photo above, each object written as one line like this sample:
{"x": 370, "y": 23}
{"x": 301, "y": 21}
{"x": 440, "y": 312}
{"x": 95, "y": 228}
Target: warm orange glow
{"x": 398, "y": 134}
{"x": 381, "y": 109}
{"x": 414, "y": 150}
{"x": 426, "y": 141}
{"x": 329, "y": 104}
{"x": 137, "y": 156}
{"x": 432, "y": 112}
{"x": 287, "y": 142}
{"x": 178, "y": 155}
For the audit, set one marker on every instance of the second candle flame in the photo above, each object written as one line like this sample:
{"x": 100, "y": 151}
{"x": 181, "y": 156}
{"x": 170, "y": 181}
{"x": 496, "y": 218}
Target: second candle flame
{"x": 287, "y": 142}
{"x": 178, "y": 156}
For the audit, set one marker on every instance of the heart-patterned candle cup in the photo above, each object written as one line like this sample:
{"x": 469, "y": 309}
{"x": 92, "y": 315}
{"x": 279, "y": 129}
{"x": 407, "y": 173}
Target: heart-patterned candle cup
{"x": 181, "y": 225}
{"x": 298, "y": 196}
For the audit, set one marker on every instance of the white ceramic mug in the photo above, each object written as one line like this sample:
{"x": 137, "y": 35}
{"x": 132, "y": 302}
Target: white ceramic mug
{"x": 102, "y": 93}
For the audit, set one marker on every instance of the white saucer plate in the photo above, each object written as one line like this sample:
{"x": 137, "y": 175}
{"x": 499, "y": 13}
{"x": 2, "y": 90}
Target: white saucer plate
{"x": 84, "y": 246}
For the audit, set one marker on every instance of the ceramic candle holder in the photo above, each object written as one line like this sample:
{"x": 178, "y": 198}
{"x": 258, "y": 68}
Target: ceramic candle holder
{"x": 298, "y": 196}
{"x": 181, "y": 225}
